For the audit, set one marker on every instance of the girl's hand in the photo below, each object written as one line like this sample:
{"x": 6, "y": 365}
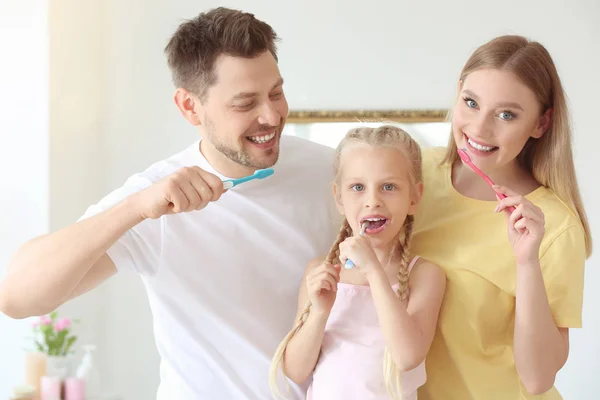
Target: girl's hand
{"x": 359, "y": 250}
{"x": 321, "y": 284}
{"x": 525, "y": 226}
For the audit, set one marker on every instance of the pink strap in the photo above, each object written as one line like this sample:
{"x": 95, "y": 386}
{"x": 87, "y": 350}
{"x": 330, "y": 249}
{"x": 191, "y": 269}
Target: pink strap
{"x": 412, "y": 263}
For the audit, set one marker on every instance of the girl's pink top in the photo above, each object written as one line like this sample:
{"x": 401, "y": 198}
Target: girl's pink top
{"x": 351, "y": 362}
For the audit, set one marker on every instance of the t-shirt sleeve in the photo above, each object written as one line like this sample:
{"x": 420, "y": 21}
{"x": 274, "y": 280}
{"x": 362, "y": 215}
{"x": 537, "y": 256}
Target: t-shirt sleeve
{"x": 139, "y": 248}
{"x": 563, "y": 265}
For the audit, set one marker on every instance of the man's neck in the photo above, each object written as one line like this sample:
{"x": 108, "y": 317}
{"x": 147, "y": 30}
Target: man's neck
{"x": 223, "y": 164}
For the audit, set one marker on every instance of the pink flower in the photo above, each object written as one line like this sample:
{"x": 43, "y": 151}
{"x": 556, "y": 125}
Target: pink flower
{"x": 62, "y": 324}
{"x": 45, "y": 320}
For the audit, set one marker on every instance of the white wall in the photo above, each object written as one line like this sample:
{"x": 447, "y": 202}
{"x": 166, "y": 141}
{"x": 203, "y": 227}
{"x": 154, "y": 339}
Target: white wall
{"x": 23, "y": 154}
{"x": 78, "y": 96}
{"x": 387, "y": 54}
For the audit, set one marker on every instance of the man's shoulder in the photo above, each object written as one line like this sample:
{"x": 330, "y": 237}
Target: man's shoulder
{"x": 306, "y": 160}
{"x": 304, "y": 149}
{"x": 159, "y": 169}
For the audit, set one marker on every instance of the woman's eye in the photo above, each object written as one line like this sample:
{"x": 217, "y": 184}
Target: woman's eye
{"x": 506, "y": 116}
{"x": 470, "y": 102}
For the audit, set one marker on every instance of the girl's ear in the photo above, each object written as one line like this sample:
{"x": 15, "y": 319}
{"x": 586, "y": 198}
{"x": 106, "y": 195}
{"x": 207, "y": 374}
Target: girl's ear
{"x": 338, "y": 199}
{"x": 416, "y": 198}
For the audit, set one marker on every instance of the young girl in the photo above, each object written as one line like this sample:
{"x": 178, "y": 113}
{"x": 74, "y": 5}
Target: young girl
{"x": 363, "y": 333}
{"x": 504, "y": 325}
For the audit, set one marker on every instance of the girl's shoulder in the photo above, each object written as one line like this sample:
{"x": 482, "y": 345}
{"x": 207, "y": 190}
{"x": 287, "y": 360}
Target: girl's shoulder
{"x": 423, "y": 269}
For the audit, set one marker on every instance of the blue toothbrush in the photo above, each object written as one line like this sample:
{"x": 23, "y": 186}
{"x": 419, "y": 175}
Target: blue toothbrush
{"x": 258, "y": 174}
{"x": 349, "y": 264}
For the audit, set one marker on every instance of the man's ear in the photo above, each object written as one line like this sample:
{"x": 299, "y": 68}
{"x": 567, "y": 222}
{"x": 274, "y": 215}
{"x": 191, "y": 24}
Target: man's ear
{"x": 189, "y": 105}
{"x": 416, "y": 198}
{"x": 338, "y": 199}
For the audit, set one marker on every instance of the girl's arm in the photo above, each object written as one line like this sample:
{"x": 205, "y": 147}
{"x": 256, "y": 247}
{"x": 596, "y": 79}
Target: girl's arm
{"x": 408, "y": 332}
{"x": 541, "y": 348}
{"x": 302, "y": 352}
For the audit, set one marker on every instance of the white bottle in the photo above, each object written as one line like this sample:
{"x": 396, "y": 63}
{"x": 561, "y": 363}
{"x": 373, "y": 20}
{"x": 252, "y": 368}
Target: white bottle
{"x": 88, "y": 372}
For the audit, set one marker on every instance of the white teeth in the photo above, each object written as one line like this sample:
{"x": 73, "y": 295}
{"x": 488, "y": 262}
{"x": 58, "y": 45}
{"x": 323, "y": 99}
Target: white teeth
{"x": 479, "y": 146}
{"x": 375, "y": 219}
{"x": 262, "y": 139}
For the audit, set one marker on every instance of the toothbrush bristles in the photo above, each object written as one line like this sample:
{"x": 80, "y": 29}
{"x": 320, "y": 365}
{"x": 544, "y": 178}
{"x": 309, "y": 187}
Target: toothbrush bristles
{"x": 363, "y": 227}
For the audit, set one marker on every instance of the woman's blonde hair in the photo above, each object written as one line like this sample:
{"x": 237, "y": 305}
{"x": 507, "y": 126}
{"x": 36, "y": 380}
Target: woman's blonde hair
{"x": 383, "y": 136}
{"x": 550, "y": 158}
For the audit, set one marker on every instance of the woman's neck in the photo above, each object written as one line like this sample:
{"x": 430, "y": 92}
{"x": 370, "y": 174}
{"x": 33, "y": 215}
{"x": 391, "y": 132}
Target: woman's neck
{"x": 513, "y": 176}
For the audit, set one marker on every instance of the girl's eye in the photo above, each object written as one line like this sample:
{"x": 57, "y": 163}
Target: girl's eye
{"x": 358, "y": 187}
{"x": 506, "y": 116}
{"x": 388, "y": 186}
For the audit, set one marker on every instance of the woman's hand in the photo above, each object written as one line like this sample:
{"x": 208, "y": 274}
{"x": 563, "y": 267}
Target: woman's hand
{"x": 525, "y": 226}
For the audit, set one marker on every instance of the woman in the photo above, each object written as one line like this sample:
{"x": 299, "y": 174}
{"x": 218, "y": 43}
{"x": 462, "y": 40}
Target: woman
{"x": 515, "y": 275}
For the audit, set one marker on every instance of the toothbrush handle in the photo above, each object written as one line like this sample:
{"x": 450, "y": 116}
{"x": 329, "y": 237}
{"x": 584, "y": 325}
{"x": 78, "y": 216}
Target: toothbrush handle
{"x": 491, "y": 183}
{"x": 503, "y": 196}
{"x": 229, "y": 183}
{"x": 349, "y": 264}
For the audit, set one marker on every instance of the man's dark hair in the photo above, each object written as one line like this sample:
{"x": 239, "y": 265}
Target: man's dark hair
{"x": 197, "y": 43}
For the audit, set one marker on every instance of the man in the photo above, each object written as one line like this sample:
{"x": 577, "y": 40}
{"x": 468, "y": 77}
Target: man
{"x": 222, "y": 282}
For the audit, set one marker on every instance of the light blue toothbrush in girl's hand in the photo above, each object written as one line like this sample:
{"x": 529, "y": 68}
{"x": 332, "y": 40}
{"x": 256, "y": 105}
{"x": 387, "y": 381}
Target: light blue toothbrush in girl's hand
{"x": 258, "y": 174}
{"x": 349, "y": 264}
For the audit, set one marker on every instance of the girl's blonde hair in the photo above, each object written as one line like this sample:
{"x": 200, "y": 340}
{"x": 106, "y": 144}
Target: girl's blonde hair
{"x": 383, "y": 136}
{"x": 550, "y": 158}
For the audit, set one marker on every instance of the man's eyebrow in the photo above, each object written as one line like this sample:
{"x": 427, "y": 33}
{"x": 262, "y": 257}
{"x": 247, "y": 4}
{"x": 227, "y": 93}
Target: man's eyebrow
{"x": 245, "y": 95}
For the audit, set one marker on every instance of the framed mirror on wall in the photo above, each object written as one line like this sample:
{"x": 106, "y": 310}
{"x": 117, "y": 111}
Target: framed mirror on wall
{"x": 428, "y": 127}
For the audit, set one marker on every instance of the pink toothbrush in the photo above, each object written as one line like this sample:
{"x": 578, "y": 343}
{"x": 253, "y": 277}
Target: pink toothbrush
{"x": 462, "y": 153}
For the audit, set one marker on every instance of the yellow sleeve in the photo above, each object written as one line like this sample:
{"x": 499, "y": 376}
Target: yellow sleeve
{"x": 563, "y": 270}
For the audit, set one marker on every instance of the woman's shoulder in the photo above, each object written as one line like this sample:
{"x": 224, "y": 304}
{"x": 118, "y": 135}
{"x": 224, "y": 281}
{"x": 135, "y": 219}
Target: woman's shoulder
{"x": 558, "y": 215}
{"x": 432, "y": 162}
{"x": 433, "y": 154}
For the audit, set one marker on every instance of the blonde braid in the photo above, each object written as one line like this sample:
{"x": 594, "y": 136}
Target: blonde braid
{"x": 278, "y": 358}
{"x": 404, "y": 260}
{"x": 334, "y": 253}
{"x": 391, "y": 373}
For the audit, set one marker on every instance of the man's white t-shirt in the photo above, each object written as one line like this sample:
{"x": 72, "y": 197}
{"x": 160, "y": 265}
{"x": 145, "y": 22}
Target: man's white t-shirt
{"x": 222, "y": 282}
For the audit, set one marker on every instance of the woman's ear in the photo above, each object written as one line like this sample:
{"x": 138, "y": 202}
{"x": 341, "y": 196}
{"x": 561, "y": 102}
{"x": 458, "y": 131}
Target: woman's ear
{"x": 543, "y": 124}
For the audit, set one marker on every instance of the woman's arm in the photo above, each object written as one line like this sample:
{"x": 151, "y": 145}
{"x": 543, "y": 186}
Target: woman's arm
{"x": 408, "y": 332}
{"x": 541, "y": 348}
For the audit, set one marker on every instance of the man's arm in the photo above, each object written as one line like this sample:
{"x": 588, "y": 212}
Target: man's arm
{"x": 51, "y": 269}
